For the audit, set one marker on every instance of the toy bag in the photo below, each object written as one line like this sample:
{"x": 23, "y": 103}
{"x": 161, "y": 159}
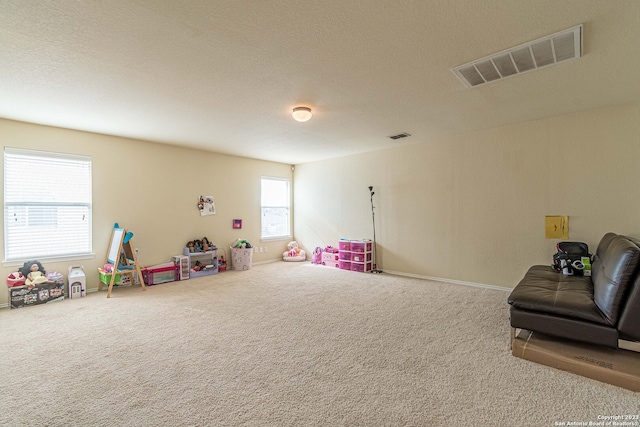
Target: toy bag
{"x": 568, "y": 258}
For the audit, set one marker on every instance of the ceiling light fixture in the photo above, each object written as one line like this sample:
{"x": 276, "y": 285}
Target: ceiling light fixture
{"x": 301, "y": 114}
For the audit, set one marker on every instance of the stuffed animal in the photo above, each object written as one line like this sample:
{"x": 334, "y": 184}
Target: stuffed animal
{"x": 294, "y": 253}
{"x": 241, "y": 244}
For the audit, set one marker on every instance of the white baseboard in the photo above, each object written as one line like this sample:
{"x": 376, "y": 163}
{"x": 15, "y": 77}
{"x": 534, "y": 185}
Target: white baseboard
{"x": 456, "y": 282}
{"x": 267, "y": 262}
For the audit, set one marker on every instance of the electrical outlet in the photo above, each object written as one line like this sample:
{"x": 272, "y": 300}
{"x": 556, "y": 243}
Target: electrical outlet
{"x": 266, "y": 249}
{"x": 255, "y": 249}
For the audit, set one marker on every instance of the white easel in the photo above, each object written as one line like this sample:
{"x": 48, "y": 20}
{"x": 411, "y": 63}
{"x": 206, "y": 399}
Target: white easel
{"x": 121, "y": 244}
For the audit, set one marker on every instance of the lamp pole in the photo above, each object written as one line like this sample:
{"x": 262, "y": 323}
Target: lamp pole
{"x": 375, "y": 269}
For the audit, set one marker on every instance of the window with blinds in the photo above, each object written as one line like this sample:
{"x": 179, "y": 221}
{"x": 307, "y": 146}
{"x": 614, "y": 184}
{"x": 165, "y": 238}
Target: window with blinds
{"x": 275, "y": 205}
{"x": 47, "y": 205}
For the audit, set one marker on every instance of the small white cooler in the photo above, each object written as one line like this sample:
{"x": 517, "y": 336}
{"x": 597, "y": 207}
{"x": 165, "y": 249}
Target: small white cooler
{"x": 77, "y": 281}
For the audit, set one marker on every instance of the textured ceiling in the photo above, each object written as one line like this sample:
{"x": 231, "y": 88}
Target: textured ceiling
{"x": 224, "y": 75}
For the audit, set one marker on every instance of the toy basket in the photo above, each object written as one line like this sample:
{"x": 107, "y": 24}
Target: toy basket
{"x": 241, "y": 258}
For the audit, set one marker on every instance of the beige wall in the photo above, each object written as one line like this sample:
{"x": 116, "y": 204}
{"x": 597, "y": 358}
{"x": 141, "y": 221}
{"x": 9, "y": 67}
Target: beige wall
{"x": 152, "y": 189}
{"x": 471, "y": 208}
{"x": 468, "y": 208}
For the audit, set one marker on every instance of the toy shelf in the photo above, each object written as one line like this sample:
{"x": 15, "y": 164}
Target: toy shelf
{"x": 209, "y": 257}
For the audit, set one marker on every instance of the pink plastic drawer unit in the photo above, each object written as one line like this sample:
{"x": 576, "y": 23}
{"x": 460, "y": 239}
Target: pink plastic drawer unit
{"x": 361, "y": 246}
{"x": 335, "y": 264}
{"x": 344, "y": 245}
{"x": 328, "y": 256}
{"x": 344, "y": 265}
{"x": 344, "y": 255}
{"x": 361, "y": 268}
{"x": 360, "y": 256}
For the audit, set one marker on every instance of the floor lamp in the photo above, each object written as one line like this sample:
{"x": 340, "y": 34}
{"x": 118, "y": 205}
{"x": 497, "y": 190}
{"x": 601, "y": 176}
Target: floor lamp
{"x": 373, "y": 218}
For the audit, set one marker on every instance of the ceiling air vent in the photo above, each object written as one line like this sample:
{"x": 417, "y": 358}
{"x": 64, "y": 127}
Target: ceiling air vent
{"x": 530, "y": 56}
{"x": 400, "y": 135}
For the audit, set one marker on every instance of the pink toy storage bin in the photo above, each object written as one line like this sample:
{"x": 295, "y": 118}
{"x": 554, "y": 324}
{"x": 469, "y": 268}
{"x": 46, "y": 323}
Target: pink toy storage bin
{"x": 360, "y": 246}
{"x": 361, "y": 268}
{"x": 344, "y": 265}
{"x": 335, "y": 264}
{"x": 329, "y": 256}
{"x": 344, "y": 255}
{"x": 360, "y": 256}
{"x": 344, "y": 245}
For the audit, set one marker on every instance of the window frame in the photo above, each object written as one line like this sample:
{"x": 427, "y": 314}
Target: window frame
{"x": 83, "y": 204}
{"x": 288, "y": 235}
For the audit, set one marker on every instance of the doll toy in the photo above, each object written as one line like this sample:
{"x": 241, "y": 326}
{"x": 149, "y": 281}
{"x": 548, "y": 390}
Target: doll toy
{"x": 205, "y": 244}
{"x": 191, "y": 246}
{"x": 198, "y": 245}
{"x": 34, "y": 274}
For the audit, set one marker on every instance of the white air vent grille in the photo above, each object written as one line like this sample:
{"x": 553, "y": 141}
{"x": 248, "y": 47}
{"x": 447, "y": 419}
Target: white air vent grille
{"x": 530, "y": 56}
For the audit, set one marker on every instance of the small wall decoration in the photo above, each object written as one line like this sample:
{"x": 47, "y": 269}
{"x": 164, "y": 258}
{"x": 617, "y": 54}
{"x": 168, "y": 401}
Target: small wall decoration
{"x": 556, "y": 227}
{"x": 237, "y": 224}
{"x": 206, "y": 205}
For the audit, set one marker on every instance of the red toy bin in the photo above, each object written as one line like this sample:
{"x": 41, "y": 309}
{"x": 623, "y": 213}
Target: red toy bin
{"x": 344, "y": 265}
{"x": 156, "y": 275}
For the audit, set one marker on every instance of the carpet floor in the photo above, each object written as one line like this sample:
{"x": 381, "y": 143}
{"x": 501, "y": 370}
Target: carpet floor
{"x": 284, "y": 344}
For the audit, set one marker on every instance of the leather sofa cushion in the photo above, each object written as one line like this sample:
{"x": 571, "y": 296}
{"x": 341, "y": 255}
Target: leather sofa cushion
{"x": 545, "y": 290}
{"x": 613, "y": 271}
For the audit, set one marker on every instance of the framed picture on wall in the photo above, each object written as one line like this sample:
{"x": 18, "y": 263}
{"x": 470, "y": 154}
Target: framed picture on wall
{"x": 237, "y": 223}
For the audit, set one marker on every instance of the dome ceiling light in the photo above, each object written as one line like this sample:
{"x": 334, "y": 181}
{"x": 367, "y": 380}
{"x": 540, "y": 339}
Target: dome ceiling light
{"x": 301, "y": 114}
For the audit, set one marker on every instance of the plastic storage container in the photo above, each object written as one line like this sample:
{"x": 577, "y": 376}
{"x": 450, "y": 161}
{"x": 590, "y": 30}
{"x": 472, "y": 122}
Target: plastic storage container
{"x": 161, "y": 273}
{"x": 344, "y": 265}
{"x": 344, "y": 245}
{"x": 361, "y": 268}
{"x": 361, "y": 246}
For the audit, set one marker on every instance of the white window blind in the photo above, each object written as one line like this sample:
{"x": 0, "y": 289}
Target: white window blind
{"x": 276, "y": 196}
{"x": 47, "y": 205}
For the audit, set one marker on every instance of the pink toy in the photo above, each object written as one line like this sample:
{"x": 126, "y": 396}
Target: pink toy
{"x": 294, "y": 253}
{"x": 15, "y": 279}
{"x": 317, "y": 256}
